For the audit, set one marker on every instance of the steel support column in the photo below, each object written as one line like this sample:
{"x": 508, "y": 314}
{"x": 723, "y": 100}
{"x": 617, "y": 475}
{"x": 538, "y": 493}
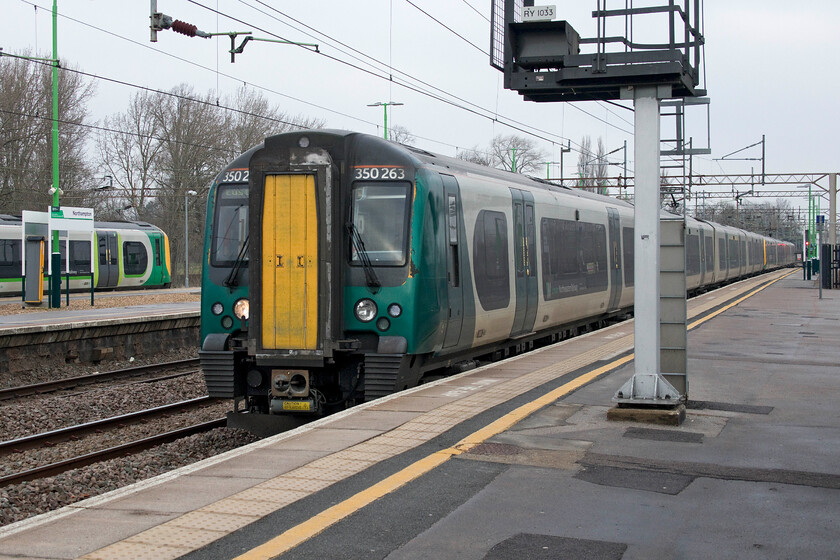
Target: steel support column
{"x": 647, "y": 386}
{"x": 646, "y": 236}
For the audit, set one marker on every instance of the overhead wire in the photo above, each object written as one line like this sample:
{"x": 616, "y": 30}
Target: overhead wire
{"x": 197, "y": 65}
{"x": 433, "y": 18}
{"x": 473, "y": 8}
{"x": 488, "y": 54}
{"x": 521, "y": 128}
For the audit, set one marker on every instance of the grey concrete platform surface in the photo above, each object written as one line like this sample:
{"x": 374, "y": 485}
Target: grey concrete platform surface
{"x": 754, "y": 472}
{"x": 93, "y": 316}
{"x": 50, "y": 338}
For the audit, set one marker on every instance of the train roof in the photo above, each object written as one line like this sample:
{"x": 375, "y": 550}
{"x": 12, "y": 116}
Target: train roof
{"x": 10, "y": 220}
{"x": 424, "y": 158}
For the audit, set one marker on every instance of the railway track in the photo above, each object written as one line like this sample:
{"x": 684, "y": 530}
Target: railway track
{"x": 96, "y": 378}
{"x": 54, "y": 437}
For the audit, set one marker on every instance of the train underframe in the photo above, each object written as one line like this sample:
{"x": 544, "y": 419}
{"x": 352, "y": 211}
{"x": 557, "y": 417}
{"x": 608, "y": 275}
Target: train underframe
{"x": 267, "y": 389}
{"x": 270, "y": 390}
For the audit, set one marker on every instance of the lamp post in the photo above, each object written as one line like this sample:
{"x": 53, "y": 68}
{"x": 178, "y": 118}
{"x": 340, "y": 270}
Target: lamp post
{"x": 187, "y": 196}
{"x": 55, "y": 191}
{"x": 384, "y": 105}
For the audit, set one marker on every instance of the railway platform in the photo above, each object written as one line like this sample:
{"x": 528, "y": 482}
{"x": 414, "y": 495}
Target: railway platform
{"x": 518, "y": 460}
{"x": 93, "y": 315}
{"x": 44, "y": 338}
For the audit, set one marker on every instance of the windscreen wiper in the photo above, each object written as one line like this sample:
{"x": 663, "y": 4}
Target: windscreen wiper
{"x": 359, "y": 246}
{"x": 233, "y": 278}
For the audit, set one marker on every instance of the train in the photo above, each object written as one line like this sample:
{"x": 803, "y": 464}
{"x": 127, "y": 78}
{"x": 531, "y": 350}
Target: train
{"x": 129, "y": 255}
{"x": 341, "y": 267}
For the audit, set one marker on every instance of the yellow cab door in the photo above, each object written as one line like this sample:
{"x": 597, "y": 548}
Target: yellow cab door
{"x": 290, "y": 263}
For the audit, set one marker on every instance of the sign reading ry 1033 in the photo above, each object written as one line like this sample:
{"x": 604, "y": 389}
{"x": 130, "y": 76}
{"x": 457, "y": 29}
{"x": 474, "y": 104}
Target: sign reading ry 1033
{"x": 539, "y": 13}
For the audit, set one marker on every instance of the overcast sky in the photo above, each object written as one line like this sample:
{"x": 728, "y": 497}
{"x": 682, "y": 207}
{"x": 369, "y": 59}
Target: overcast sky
{"x": 770, "y": 68}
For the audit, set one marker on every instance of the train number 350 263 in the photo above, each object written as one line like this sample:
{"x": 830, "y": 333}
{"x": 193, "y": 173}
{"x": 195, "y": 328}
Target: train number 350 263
{"x": 372, "y": 172}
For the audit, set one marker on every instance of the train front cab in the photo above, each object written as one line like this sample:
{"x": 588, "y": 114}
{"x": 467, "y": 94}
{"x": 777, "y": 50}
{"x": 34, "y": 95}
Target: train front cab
{"x": 322, "y": 279}
{"x": 295, "y": 272}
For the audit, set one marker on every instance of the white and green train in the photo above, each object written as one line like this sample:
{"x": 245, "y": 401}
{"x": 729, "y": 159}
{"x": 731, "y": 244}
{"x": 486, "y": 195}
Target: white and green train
{"x": 127, "y": 255}
{"x": 340, "y": 267}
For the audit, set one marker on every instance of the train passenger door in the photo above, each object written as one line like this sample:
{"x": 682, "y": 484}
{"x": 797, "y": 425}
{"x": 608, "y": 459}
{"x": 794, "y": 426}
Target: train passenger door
{"x": 525, "y": 257}
{"x": 615, "y": 258}
{"x": 290, "y": 263}
{"x": 455, "y": 296}
{"x": 155, "y": 276}
{"x": 107, "y": 260}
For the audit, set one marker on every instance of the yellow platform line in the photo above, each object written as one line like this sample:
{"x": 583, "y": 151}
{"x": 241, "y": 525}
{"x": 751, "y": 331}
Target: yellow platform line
{"x": 736, "y": 302}
{"x": 317, "y": 524}
{"x": 308, "y": 529}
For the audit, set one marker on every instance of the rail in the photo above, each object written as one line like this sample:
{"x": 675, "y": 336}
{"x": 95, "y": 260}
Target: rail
{"x": 82, "y": 380}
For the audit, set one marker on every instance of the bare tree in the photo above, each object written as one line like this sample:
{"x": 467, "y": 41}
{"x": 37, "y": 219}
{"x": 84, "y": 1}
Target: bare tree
{"x": 401, "y": 135}
{"x": 26, "y": 134}
{"x": 593, "y": 167}
{"x": 516, "y": 153}
{"x": 475, "y": 155}
{"x": 600, "y": 169}
{"x": 128, "y": 155}
{"x": 778, "y": 220}
{"x": 253, "y": 118}
{"x": 192, "y": 151}
{"x": 585, "y": 169}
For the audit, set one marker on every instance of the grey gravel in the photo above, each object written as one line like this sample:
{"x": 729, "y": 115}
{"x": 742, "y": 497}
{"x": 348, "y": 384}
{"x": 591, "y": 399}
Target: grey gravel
{"x": 27, "y": 499}
{"x": 43, "y": 413}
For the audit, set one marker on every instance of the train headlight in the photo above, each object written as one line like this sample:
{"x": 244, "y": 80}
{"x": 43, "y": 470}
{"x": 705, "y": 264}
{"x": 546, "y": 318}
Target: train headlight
{"x": 383, "y": 323}
{"x": 241, "y": 309}
{"x": 365, "y": 310}
{"x": 217, "y": 308}
{"x": 394, "y": 310}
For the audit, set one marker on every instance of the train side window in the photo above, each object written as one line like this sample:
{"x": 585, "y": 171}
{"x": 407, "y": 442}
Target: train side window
{"x": 103, "y": 251}
{"x": 10, "y": 262}
{"x": 629, "y": 255}
{"x": 452, "y": 220}
{"x": 692, "y": 254}
{"x": 157, "y": 252}
{"x": 574, "y": 258}
{"x": 519, "y": 233}
{"x": 135, "y": 258}
{"x": 733, "y": 253}
{"x": 490, "y": 247}
{"x": 62, "y": 249}
{"x": 710, "y": 253}
{"x": 80, "y": 257}
{"x": 722, "y": 254}
{"x": 530, "y": 240}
